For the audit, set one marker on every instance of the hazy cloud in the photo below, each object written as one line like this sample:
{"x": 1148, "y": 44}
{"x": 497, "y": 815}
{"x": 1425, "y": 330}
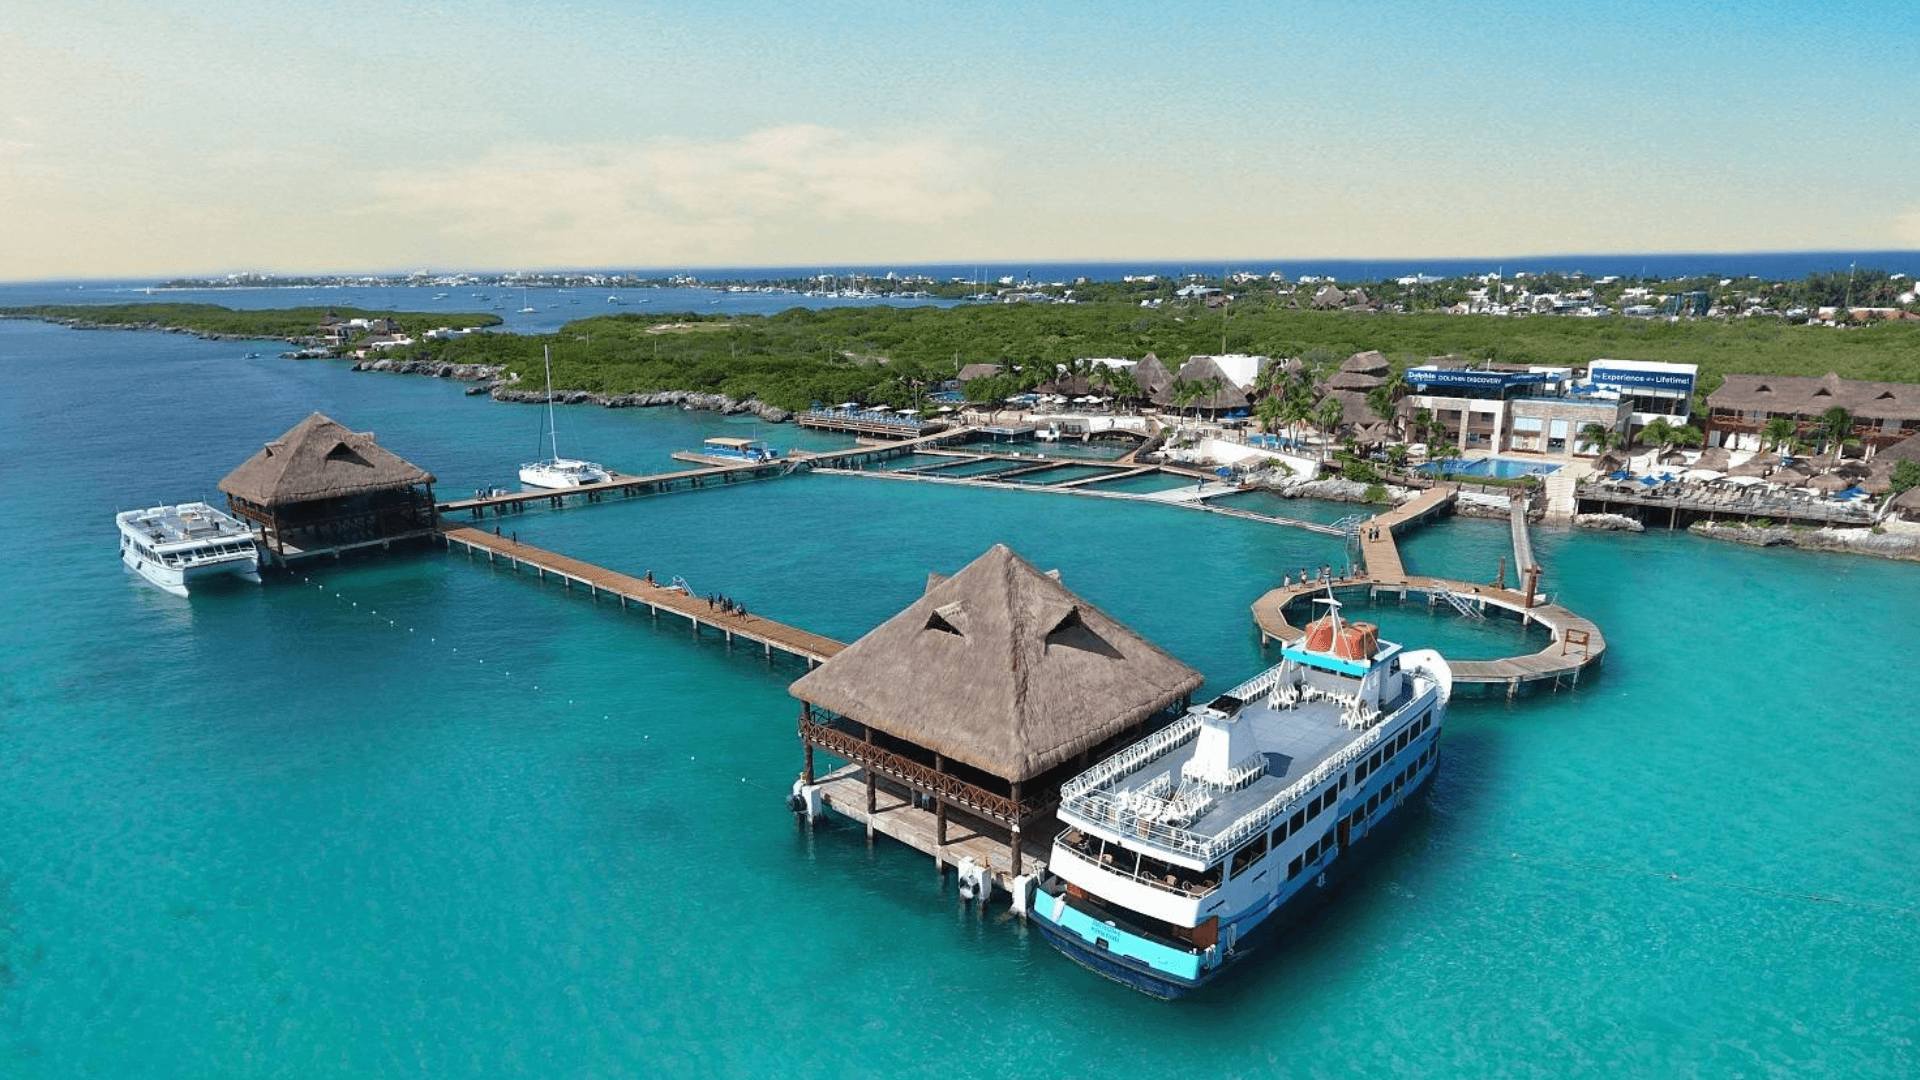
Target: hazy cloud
{"x": 1906, "y": 227}
{"x": 679, "y": 200}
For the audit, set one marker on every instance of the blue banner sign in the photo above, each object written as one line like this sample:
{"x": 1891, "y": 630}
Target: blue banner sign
{"x": 1423, "y": 378}
{"x": 1677, "y": 381}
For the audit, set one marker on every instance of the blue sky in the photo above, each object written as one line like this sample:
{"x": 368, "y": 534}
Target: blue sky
{"x": 146, "y": 139}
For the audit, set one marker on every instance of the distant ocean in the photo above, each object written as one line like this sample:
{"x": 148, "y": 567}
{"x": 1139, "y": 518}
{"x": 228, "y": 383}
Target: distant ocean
{"x": 1767, "y": 265}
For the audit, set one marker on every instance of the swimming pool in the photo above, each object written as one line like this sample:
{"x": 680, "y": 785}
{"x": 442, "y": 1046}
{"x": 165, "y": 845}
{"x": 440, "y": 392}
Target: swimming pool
{"x": 1497, "y": 468}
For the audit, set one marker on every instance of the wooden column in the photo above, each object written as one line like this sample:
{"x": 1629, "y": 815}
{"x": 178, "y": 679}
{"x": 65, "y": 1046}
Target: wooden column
{"x": 1016, "y": 828}
{"x": 939, "y": 810}
{"x": 866, "y": 736}
{"x": 806, "y": 768}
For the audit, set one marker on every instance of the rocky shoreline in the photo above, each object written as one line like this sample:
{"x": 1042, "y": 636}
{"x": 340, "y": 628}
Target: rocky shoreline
{"x": 1895, "y": 540}
{"x": 492, "y": 384}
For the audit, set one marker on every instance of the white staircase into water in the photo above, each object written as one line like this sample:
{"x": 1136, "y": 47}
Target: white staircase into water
{"x": 1559, "y": 492}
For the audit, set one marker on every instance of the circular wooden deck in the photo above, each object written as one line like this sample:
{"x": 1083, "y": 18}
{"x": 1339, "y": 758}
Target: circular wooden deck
{"x": 1577, "y": 643}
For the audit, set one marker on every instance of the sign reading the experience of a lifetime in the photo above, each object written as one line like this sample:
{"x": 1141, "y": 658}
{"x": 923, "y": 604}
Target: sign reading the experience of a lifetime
{"x": 1677, "y": 381}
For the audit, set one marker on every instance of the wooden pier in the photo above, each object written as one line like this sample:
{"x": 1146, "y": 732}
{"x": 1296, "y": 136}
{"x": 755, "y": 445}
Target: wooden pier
{"x": 628, "y": 487}
{"x": 642, "y": 592}
{"x": 884, "y": 429}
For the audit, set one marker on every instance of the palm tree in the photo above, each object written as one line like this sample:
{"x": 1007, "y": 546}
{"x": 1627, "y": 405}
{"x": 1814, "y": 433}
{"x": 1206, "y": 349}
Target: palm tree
{"x": 1836, "y": 428}
{"x": 1327, "y": 415}
{"x": 1777, "y": 432}
{"x": 1600, "y": 437}
{"x": 1269, "y": 412}
{"x": 1657, "y": 433}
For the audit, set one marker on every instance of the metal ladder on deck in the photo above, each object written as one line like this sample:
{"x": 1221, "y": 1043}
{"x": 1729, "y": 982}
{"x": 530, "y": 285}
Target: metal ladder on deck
{"x": 1459, "y": 603}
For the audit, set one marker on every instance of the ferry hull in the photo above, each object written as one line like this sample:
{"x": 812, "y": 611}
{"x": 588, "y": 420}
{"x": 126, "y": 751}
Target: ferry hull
{"x": 1304, "y": 901}
{"x": 176, "y": 581}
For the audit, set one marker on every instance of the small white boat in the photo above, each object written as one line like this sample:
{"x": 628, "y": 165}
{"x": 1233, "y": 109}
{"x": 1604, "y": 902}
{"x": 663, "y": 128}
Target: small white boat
{"x": 173, "y": 546}
{"x": 556, "y": 471}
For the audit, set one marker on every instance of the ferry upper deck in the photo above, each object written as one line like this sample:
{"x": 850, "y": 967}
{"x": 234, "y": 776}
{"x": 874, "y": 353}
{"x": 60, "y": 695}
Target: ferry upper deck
{"x": 1190, "y": 793}
{"x": 196, "y": 523}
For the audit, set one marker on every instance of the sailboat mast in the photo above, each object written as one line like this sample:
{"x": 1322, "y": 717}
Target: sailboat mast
{"x": 553, "y": 433}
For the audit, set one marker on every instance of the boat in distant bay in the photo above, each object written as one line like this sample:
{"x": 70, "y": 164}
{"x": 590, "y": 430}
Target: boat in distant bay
{"x": 174, "y": 546}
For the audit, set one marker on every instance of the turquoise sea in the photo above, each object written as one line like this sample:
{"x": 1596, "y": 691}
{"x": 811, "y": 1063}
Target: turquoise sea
{"x": 423, "y": 817}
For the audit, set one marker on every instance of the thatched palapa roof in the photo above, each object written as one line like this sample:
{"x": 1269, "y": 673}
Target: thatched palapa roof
{"x": 320, "y": 459}
{"x": 1803, "y": 396}
{"x": 1353, "y": 380}
{"x": 1226, "y": 395}
{"x": 1002, "y": 668}
{"x": 1152, "y": 375}
{"x": 1371, "y": 362}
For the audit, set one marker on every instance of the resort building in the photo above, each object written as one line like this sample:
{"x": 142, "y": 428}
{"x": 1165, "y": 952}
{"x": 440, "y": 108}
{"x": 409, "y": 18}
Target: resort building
{"x": 981, "y": 698}
{"x": 1542, "y": 410}
{"x": 1883, "y": 413}
{"x": 322, "y": 489}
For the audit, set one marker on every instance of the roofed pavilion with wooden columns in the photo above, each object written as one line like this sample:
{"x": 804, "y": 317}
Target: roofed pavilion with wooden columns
{"x": 321, "y": 489}
{"x": 988, "y": 692}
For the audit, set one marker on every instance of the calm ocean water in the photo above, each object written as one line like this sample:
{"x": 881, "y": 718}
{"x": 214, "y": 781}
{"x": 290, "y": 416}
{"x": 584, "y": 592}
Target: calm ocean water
{"x": 422, "y": 817}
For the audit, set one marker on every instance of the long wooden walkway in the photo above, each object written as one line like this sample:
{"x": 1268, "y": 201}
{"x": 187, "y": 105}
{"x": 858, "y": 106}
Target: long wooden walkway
{"x": 690, "y": 479}
{"x": 655, "y": 597}
{"x": 1522, "y": 539}
{"x": 1378, "y": 548}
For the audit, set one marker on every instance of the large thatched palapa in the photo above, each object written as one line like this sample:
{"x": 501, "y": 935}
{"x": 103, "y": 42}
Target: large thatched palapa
{"x": 321, "y": 487}
{"x": 988, "y": 692}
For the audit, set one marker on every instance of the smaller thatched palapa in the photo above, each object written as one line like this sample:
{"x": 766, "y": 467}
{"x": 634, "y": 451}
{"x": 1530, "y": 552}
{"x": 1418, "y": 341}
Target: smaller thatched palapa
{"x": 1353, "y": 380}
{"x": 1225, "y": 394}
{"x": 1152, "y": 377}
{"x": 322, "y": 486}
{"x": 1715, "y": 457}
{"x": 1371, "y": 362}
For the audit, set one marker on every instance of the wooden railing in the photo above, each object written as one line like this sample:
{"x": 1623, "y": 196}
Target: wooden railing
{"x": 942, "y": 785}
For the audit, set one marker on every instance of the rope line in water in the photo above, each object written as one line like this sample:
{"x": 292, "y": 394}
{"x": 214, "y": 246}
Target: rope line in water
{"x": 710, "y": 767}
{"x": 1689, "y": 879}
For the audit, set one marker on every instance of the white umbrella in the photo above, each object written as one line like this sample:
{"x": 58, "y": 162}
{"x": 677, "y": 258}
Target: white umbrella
{"x": 1744, "y": 481}
{"x": 1702, "y": 474}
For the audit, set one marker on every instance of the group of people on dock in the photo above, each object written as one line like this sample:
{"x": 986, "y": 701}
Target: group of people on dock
{"x": 1327, "y": 573}
{"x": 725, "y": 605}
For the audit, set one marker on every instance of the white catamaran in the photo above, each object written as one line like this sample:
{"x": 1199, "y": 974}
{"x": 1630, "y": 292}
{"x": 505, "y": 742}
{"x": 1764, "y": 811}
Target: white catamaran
{"x": 1179, "y": 854}
{"x": 556, "y": 471}
{"x": 174, "y": 546}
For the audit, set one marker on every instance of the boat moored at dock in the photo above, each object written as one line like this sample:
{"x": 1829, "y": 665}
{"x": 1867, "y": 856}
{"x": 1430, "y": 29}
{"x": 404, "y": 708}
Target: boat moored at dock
{"x": 174, "y": 546}
{"x": 730, "y": 451}
{"x": 1178, "y": 855}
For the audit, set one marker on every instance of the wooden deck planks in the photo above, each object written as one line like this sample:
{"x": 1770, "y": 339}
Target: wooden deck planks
{"x": 845, "y": 791}
{"x": 802, "y": 643}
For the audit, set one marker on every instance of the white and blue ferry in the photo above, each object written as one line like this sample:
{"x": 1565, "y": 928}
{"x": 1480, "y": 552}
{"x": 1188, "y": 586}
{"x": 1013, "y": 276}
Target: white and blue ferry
{"x": 1181, "y": 853}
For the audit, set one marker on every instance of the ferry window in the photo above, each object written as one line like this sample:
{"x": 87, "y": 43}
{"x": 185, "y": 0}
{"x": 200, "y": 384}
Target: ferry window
{"x": 1299, "y": 819}
{"x": 1313, "y": 851}
{"x": 1360, "y": 771}
{"x": 1400, "y": 743}
{"x": 1279, "y": 834}
{"x": 1293, "y": 868}
{"x": 1343, "y": 782}
{"x": 1373, "y": 802}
